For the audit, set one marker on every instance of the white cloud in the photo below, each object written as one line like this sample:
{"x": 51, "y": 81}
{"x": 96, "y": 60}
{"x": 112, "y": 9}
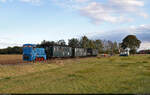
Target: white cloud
{"x": 144, "y": 46}
{"x": 141, "y": 31}
{"x": 5, "y": 42}
{"x": 101, "y": 13}
{"x": 127, "y": 3}
{"x": 113, "y": 11}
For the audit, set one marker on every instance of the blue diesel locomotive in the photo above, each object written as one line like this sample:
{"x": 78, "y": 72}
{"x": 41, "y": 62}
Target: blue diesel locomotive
{"x": 31, "y": 53}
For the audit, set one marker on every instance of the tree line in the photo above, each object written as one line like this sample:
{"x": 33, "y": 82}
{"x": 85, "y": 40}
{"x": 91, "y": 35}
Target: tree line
{"x": 103, "y": 46}
{"x": 11, "y": 50}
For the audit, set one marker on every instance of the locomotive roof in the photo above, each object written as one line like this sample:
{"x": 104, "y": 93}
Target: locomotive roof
{"x": 29, "y": 45}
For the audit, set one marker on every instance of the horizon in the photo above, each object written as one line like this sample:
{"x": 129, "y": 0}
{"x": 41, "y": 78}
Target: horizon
{"x": 32, "y": 21}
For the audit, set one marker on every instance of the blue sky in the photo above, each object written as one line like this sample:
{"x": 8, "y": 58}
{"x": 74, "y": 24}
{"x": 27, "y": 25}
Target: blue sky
{"x": 31, "y": 21}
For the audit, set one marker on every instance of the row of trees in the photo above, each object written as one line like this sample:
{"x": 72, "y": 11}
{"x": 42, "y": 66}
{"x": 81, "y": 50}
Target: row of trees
{"x": 11, "y": 50}
{"x": 103, "y": 46}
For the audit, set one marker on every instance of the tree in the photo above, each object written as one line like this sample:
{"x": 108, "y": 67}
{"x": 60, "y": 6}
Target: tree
{"x": 132, "y": 42}
{"x": 91, "y": 44}
{"x": 99, "y": 45}
{"x": 84, "y": 42}
{"x": 115, "y": 47}
{"x": 133, "y": 51}
{"x": 61, "y": 42}
{"x": 11, "y": 50}
{"x": 46, "y": 44}
{"x": 74, "y": 42}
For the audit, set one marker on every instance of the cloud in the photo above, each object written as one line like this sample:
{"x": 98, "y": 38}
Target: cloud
{"x": 141, "y": 31}
{"x": 114, "y": 11}
{"x": 101, "y": 13}
{"x": 5, "y": 45}
{"x": 8, "y": 41}
{"x": 144, "y": 45}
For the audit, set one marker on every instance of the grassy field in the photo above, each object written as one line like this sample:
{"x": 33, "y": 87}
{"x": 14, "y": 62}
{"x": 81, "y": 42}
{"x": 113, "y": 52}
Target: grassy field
{"x": 84, "y": 75}
{"x": 10, "y": 59}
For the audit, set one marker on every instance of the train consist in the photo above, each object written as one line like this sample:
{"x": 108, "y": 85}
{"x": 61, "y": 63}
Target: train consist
{"x": 32, "y": 53}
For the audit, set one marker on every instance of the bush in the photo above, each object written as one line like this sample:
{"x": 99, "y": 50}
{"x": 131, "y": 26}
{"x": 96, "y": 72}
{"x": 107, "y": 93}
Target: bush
{"x": 11, "y": 50}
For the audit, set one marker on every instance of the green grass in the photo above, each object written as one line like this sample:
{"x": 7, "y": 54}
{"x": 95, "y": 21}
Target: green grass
{"x": 86, "y": 75}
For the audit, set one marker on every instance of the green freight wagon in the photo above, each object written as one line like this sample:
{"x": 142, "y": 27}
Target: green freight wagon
{"x": 79, "y": 52}
{"x": 58, "y": 51}
{"x": 92, "y": 52}
{"x": 89, "y": 52}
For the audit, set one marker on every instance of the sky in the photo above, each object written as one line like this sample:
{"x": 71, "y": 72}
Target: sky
{"x": 31, "y": 21}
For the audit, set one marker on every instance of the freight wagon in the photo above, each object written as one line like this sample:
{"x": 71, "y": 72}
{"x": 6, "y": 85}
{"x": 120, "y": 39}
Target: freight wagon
{"x": 94, "y": 52}
{"x": 58, "y": 51}
{"x": 31, "y": 53}
{"x": 79, "y": 52}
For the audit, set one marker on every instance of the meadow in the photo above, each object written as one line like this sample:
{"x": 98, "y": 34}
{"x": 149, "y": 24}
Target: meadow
{"x": 10, "y": 59}
{"x": 79, "y": 75}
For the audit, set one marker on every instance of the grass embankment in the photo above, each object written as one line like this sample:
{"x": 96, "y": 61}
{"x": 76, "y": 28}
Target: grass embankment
{"x": 87, "y": 75}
